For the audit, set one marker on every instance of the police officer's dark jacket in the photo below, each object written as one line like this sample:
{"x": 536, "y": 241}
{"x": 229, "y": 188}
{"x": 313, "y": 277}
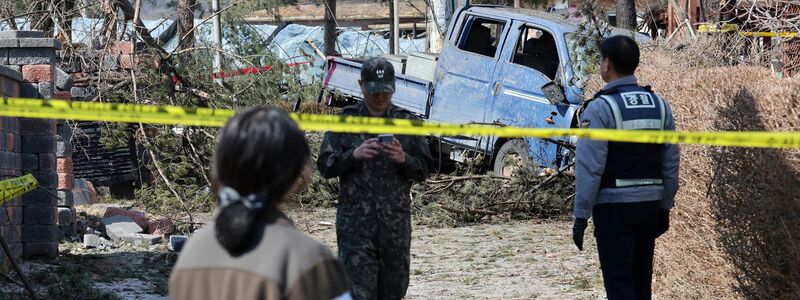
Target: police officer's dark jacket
{"x": 612, "y": 172}
{"x": 628, "y": 164}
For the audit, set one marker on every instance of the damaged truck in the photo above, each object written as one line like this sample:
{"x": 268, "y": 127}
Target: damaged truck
{"x": 499, "y": 66}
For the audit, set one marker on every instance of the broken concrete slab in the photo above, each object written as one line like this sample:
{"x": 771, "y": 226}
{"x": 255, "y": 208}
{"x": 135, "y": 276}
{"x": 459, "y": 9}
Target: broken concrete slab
{"x": 141, "y": 239}
{"x": 176, "y": 242}
{"x": 119, "y": 226}
{"x": 136, "y": 216}
{"x": 95, "y": 241}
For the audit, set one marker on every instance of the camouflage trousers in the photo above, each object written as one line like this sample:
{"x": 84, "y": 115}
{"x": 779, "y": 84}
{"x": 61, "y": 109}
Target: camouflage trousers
{"x": 377, "y": 260}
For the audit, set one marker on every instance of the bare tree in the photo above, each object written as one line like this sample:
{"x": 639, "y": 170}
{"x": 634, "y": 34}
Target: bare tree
{"x": 186, "y": 23}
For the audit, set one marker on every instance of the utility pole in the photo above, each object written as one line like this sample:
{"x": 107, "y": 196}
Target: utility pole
{"x": 395, "y": 27}
{"x": 216, "y": 31}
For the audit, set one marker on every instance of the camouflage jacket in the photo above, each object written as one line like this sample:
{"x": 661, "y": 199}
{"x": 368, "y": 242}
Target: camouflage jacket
{"x": 376, "y": 188}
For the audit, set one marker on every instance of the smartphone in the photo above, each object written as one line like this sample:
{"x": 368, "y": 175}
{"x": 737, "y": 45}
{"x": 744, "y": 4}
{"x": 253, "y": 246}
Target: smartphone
{"x": 386, "y": 138}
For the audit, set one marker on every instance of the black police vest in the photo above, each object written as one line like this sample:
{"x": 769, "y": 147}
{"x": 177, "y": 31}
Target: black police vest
{"x": 633, "y": 164}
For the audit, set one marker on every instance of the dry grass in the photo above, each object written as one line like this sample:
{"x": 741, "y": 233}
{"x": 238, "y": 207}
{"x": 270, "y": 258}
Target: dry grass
{"x": 734, "y": 229}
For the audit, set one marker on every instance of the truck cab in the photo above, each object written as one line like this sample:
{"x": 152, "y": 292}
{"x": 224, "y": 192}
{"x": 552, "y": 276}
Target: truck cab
{"x": 492, "y": 70}
{"x": 500, "y": 66}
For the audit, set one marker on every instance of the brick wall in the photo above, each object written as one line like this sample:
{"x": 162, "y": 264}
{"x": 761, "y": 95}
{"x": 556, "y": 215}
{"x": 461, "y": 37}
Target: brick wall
{"x": 10, "y": 164}
{"x": 29, "y": 61}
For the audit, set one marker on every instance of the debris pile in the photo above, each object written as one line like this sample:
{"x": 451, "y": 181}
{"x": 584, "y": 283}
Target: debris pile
{"x": 121, "y": 224}
{"x": 461, "y": 200}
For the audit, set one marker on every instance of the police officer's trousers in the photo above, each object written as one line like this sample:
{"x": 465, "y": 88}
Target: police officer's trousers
{"x": 626, "y": 235}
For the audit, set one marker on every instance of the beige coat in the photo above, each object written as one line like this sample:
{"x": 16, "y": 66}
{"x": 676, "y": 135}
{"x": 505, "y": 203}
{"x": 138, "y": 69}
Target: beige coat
{"x": 286, "y": 264}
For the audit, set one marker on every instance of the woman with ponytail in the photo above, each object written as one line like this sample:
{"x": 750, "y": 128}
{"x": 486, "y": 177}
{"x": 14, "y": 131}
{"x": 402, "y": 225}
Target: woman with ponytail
{"x": 252, "y": 250}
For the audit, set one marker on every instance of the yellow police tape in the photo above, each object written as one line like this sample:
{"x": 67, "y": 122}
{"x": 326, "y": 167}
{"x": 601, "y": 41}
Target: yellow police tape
{"x": 15, "y": 187}
{"x": 174, "y": 115}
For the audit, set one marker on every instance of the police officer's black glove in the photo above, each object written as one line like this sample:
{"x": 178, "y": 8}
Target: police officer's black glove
{"x": 663, "y": 222}
{"x": 578, "y": 229}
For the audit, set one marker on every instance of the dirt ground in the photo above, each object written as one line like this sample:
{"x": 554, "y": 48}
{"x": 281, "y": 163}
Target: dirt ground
{"x": 503, "y": 260}
{"x": 507, "y": 260}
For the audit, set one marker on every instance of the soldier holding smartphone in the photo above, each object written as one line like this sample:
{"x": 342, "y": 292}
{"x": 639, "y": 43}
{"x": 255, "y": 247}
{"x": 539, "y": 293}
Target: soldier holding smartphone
{"x": 373, "y": 219}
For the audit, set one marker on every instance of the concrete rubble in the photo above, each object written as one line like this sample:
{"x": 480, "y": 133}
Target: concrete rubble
{"x": 119, "y": 226}
{"x": 95, "y": 241}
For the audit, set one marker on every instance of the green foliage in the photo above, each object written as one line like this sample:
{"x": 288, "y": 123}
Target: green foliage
{"x": 114, "y": 135}
{"x": 159, "y": 200}
{"x": 455, "y": 201}
{"x": 583, "y": 44}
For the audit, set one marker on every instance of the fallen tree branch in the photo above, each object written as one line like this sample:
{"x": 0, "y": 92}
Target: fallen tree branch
{"x": 164, "y": 177}
{"x": 469, "y": 210}
{"x": 438, "y": 189}
{"x": 129, "y": 13}
{"x": 16, "y": 267}
{"x": 470, "y": 177}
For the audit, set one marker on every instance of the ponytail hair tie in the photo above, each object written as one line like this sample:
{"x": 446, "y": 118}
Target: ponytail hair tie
{"x": 229, "y": 196}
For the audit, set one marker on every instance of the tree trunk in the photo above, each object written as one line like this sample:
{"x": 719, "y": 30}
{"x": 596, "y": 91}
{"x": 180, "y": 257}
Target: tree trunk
{"x": 330, "y": 28}
{"x": 626, "y": 14}
{"x": 391, "y": 28}
{"x": 65, "y": 20}
{"x": 186, "y": 23}
{"x": 109, "y": 21}
{"x": 679, "y": 11}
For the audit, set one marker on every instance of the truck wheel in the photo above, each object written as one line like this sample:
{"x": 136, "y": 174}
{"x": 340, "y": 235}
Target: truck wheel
{"x": 511, "y": 156}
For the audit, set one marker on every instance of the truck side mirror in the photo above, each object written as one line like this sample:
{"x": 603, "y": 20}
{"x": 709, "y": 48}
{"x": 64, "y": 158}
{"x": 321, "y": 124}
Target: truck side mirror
{"x": 554, "y": 93}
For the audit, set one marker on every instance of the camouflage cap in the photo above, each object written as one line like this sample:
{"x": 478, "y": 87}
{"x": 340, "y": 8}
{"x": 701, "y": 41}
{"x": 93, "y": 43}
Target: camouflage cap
{"x": 378, "y": 76}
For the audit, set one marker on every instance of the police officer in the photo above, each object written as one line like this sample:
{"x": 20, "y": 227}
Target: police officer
{"x": 373, "y": 220}
{"x": 628, "y": 188}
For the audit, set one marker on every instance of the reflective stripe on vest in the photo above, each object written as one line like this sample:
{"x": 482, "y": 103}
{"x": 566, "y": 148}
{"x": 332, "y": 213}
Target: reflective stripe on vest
{"x": 653, "y": 124}
{"x": 633, "y": 182}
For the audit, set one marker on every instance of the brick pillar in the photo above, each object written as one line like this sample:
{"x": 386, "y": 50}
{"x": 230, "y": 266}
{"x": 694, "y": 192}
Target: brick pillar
{"x": 10, "y": 164}
{"x": 66, "y": 216}
{"x": 34, "y": 56}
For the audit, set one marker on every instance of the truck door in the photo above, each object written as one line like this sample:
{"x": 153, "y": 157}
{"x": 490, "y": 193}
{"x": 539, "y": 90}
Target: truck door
{"x": 466, "y": 65}
{"x": 530, "y": 59}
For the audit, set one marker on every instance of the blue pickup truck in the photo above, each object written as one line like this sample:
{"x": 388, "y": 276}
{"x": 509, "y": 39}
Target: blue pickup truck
{"x": 499, "y": 65}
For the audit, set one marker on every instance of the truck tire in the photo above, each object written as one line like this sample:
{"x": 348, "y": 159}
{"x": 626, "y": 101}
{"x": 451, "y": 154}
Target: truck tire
{"x": 512, "y": 155}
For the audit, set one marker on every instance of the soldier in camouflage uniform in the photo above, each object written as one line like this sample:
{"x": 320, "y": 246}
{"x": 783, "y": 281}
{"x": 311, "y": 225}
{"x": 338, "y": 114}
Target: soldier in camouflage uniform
{"x": 373, "y": 220}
